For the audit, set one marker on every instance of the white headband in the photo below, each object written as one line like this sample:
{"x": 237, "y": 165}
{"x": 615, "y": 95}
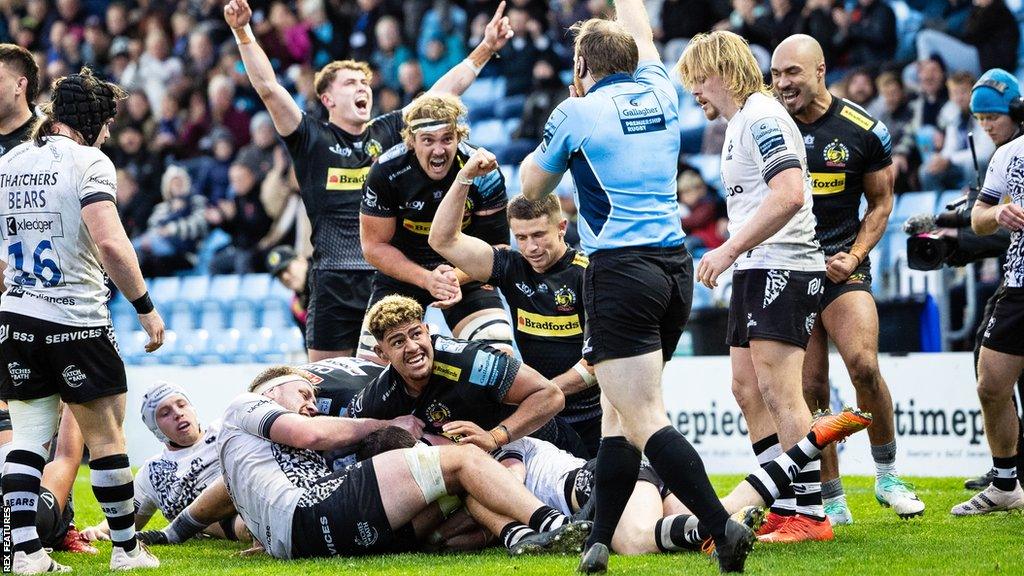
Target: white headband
{"x": 428, "y": 124}
{"x": 275, "y": 382}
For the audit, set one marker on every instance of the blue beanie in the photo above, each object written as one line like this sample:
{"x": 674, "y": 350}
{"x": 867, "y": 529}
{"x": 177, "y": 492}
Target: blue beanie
{"x": 993, "y": 92}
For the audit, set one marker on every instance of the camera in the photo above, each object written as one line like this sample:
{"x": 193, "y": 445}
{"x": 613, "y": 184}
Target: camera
{"x": 947, "y": 239}
{"x": 929, "y": 250}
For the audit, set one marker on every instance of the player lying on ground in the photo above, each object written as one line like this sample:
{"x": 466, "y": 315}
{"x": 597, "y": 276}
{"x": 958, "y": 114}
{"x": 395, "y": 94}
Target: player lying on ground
{"x": 295, "y": 507}
{"x": 188, "y": 470}
{"x": 55, "y": 516}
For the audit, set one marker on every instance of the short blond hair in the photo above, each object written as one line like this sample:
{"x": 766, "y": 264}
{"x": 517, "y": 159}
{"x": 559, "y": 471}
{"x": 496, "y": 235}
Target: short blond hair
{"x": 445, "y": 107}
{"x": 724, "y": 54}
{"x": 391, "y": 312}
{"x": 277, "y": 371}
{"x": 326, "y": 75}
{"x": 606, "y": 47}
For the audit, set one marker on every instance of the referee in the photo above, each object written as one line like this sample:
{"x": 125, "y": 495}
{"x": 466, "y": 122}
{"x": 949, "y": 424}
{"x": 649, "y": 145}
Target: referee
{"x": 332, "y": 160}
{"x": 619, "y": 136}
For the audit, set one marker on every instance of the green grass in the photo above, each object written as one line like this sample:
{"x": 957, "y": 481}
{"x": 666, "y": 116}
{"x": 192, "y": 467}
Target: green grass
{"x": 878, "y": 543}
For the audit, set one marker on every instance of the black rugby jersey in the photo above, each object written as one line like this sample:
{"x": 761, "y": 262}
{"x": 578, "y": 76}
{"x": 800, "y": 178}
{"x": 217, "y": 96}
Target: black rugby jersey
{"x": 547, "y": 310}
{"x": 337, "y": 380}
{"x": 469, "y": 382}
{"x": 397, "y": 187}
{"x": 842, "y": 146}
{"x": 20, "y": 134}
{"x": 331, "y": 166}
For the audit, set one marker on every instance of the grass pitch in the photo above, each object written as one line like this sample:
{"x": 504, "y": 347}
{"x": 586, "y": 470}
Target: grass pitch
{"x": 877, "y": 543}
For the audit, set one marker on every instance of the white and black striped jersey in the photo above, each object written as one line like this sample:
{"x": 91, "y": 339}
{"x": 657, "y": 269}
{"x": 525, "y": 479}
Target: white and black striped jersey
{"x": 171, "y": 480}
{"x": 1005, "y": 178}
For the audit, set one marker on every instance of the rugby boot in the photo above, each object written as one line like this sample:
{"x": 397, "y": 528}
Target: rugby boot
{"x": 991, "y": 499}
{"x": 891, "y": 492}
{"x": 800, "y": 528}
{"x": 38, "y": 562}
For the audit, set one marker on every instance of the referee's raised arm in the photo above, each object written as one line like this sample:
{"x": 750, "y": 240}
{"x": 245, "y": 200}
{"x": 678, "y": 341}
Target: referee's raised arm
{"x": 632, "y": 15}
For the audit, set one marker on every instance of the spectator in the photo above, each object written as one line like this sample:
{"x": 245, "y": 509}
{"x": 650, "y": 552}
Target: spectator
{"x": 95, "y": 44}
{"x": 194, "y": 127}
{"x": 922, "y": 137}
{"x": 200, "y": 55}
{"x": 892, "y": 105}
{"x": 260, "y": 152}
{"x": 410, "y": 76}
{"x": 155, "y": 70}
{"x": 322, "y": 33}
{"x": 183, "y": 25}
{"x": 932, "y": 93}
{"x": 524, "y": 49}
{"x": 439, "y": 56}
{"x": 132, "y": 156}
{"x": 548, "y": 91}
{"x": 867, "y": 33}
{"x": 386, "y": 100}
{"x": 684, "y": 18}
{"x": 131, "y": 207}
{"x": 817, "y": 21}
{"x": 443, "y": 20}
{"x": 702, "y": 212}
{"x": 859, "y": 87}
{"x": 953, "y": 165}
{"x": 244, "y": 218}
{"x": 223, "y": 112}
{"x": 212, "y": 169}
{"x": 390, "y": 52}
{"x": 989, "y": 39}
{"x": 175, "y": 229}
{"x": 361, "y": 41}
{"x": 287, "y": 41}
{"x": 771, "y": 26}
{"x": 138, "y": 113}
{"x": 291, "y": 270}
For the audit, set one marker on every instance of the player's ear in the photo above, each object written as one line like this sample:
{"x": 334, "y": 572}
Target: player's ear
{"x": 581, "y": 67}
{"x": 379, "y": 352}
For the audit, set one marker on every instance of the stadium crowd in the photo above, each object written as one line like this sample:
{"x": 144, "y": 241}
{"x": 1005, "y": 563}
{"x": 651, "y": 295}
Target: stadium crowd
{"x": 167, "y": 121}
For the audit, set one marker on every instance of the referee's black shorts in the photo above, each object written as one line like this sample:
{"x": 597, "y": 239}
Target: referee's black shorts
{"x": 637, "y": 300}
{"x": 337, "y": 302}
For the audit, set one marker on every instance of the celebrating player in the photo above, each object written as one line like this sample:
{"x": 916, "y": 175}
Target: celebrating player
{"x": 18, "y": 69}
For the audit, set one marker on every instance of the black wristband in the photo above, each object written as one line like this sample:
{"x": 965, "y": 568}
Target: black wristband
{"x": 143, "y": 304}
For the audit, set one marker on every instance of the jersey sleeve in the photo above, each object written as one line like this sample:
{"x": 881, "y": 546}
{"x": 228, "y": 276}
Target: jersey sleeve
{"x": 146, "y": 498}
{"x": 378, "y": 194}
{"x": 99, "y": 181}
{"x": 995, "y": 179}
{"x": 653, "y": 73}
{"x": 491, "y": 190}
{"x": 254, "y": 414}
{"x": 488, "y": 371}
{"x": 562, "y": 137}
{"x": 775, "y": 147}
{"x": 501, "y": 267}
{"x": 298, "y": 142}
{"x": 877, "y": 148}
{"x": 391, "y": 127}
{"x": 367, "y": 403}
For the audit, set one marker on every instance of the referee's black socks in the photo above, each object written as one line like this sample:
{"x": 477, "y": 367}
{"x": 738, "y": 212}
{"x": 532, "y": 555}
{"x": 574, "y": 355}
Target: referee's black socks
{"x": 618, "y": 465}
{"x": 682, "y": 470}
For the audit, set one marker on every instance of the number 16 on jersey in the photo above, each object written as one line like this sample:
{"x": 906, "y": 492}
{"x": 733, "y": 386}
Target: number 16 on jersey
{"x": 30, "y": 237}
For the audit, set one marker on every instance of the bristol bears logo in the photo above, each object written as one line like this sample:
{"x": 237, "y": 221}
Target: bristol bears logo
{"x": 565, "y": 299}
{"x": 836, "y": 154}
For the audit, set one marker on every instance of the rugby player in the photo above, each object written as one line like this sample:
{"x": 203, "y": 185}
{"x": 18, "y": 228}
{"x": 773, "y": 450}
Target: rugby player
{"x": 619, "y": 136}
{"x": 778, "y": 265}
{"x": 63, "y": 238}
{"x": 331, "y": 162}
{"x": 19, "y": 86}
{"x": 543, "y": 283}
{"x": 849, "y": 155}
{"x": 55, "y": 517}
{"x": 1001, "y": 358}
{"x": 461, "y": 389}
{"x": 402, "y": 193}
{"x": 296, "y": 508}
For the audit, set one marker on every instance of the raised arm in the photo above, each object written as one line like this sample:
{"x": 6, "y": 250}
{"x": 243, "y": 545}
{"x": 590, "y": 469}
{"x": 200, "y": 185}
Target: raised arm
{"x": 468, "y": 253}
{"x": 496, "y": 35}
{"x": 282, "y": 108}
{"x": 536, "y": 181}
{"x": 632, "y": 15}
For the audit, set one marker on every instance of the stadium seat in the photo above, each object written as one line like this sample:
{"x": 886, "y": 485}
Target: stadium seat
{"x": 702, "y": 296}
{"x": 908, "y": 23}
{"x": 912, "y": 203}
{"x": 181, "y": 316}
{"x": 243, "y": 316}
{"x": 214, "y": 241}
{"x": 252, "y": 344}
{"x": 222, "y": 346}
{"x": 124, "y": 321}
{"x": 225, "y": 287}
{"x": 279, "y": 291}
{"x": 194, "y": 288}
{"x": 132, "y": 346}
{"x": 284, "y": 344}
{"x": 164, "y": 289}
{"x": 488, "y": 133}
{"x": 948, "y": 197}
{"x": 212, "y": 316}
{"x": 255, "y": 287}
{"x": 276, "y": 315}
{"x": 191, "y": 344}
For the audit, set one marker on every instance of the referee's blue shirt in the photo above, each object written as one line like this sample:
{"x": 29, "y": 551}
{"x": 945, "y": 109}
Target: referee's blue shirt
{"x": 621, "y": 144}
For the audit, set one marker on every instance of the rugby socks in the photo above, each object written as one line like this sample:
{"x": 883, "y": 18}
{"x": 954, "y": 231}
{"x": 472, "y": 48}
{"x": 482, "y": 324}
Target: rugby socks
{"x": 1005, "y": 478}
{"x": 682, "y": 471}
{"x": 678, "y": 532}
{"x": 807, "y": 486}
{"x": 618, "y": 465}
{"x": 832, "y": 489}
{"x": 885, "y": 459}
{"x": 774, "y": 477}
{"x": 546, "y": 518}
{"x": 513, "y": 532}
{"x": 111, "y": 479}
{"x": 183, "y": 528}
{"x": 766, "y": 450}
{"x": 23, "y": 472}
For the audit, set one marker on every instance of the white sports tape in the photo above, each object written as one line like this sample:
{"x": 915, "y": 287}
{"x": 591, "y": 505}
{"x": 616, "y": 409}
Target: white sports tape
{"x": 425, "y": 465}
{"x": 275, "y": 382}
{"x": 428, "y": 124}
{"x": 588, "y": 378}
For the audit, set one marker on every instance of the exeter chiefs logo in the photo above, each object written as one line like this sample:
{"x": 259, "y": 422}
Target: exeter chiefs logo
{"x": 836, "y": 154}
{"x": 373, "y": 148}
{"x": 438, "y": 413}
{"x": 565, "y": 299}
{"x": 774, "y": 285}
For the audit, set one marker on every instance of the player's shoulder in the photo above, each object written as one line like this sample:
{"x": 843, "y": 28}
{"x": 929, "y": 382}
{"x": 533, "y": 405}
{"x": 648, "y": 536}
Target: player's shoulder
{"x": 854, "y": 115}
{"x": 393, "y": 158}
{"x": 579, "y": 258}
{"x": 245, "y": 403}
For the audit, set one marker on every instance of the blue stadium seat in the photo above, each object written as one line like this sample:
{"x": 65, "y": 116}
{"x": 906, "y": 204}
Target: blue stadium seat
{"x": 702, "y": 297}
{"x": 279, "y": 291}
{"x": 511, "y": 174}
{"x": 709, "y": 166}
{"x": 225, "y": 287}
{"x": 164, "y": 289}
{"x": 214, "y": 241}
{"x": 119, "y": 303}
{"x": 132, "y": 346}
{"x": 252, "y": 344}
{"x": 511, "y": 125}
{"x": 181, "y": 316}
{"x": 212, "y": 316}
{"x": 194, "y": 288}
{"x": 284, "y": 344}
{"x": 243, "y": 315}
{"x": 191, "y": 345}
{"x": 124, "y": 321}
{"x": 908, "y": 23}
{"x": 276, "y": 315}
{"x": 166, "y": 353}
{"x": 912, "y": 203}
{"x": 488, "y": 133}
{"x": 222, "y": 346}
{"x": 255, "y": 287}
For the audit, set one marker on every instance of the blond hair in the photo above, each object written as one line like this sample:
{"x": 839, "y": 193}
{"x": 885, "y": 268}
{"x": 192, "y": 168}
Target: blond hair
{"x": 724, "y": 54}
{"x": 322, "y": 80}
{"x": 278, "y": 371}
{"x": 606, "y": 47}
{"x": 391, "y": 312}
{"x": 443, "y": 107}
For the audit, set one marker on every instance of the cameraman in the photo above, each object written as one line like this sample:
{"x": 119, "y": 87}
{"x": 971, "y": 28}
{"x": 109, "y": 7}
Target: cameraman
{"x": 996, "y": 102}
